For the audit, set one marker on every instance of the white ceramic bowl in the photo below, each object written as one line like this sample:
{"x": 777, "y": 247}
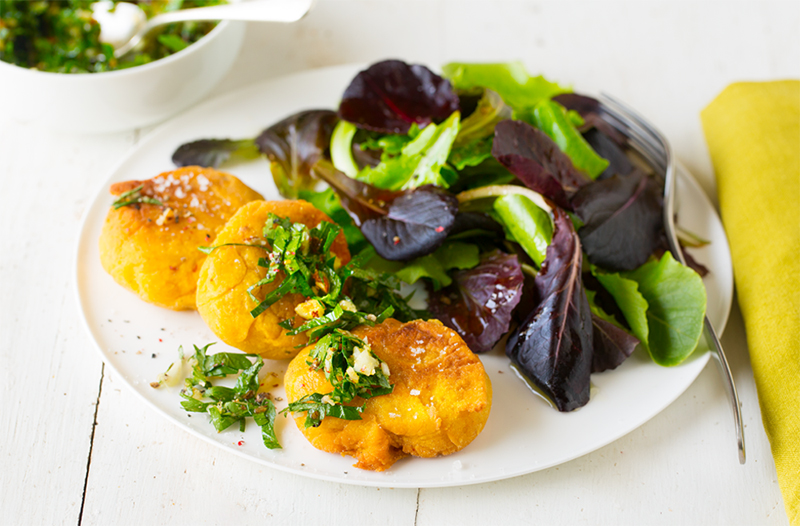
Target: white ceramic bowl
{"x": 124, "y": 99}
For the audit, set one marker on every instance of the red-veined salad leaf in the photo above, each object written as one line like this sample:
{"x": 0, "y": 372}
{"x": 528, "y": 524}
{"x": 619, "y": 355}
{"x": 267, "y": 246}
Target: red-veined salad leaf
{"x": 691, "y": 262}
{"x": 416, "y": 223}
{"x": 612, "y": 345}
{"x": 474, "y": 221}
{"x": 618, "y": 162}
{"x": 590, "y": 111}
{"x": 361, "y": 200}
{"x": 622, "y": 220}
{"x": 479, "y": 302}
{"x": 552, "y": 349}
{"x": 293, "y": 145}
{"x": 400, "y": 225}
{"x": 210, "y": 153}
{"x": 537, "y": 161}
{"x": 552, "y": 118}
{"x": 628, "y": 299}
{"x": 391, "y": 95}
{"x": 581, "y": 103}
{"x": 601, "y": 136}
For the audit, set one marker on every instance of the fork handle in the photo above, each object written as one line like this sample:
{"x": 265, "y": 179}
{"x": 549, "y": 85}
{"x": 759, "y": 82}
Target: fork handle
{"x": 716, "y": 351}
{"x": 714, "y": 345}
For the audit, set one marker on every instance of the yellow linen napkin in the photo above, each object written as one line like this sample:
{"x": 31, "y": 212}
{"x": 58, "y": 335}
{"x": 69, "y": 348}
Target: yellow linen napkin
{"x": 753, "y": 135}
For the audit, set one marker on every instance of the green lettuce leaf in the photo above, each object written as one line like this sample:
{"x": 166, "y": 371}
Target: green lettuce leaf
{"x": 510, "y": 80}
{"x": 553, "y": 119}
{"x": 676, "y": 301}
{"x": 598, "y": 311}
{"x": 452, "y": 255}
{"x": 529, "y": 225}
{"x": 473, "y": 144}
{"x": 471, "y": 154}
{"x": 342, "y": 148}
{"x": 420, "y": 161}
{"x": 390, "y": 145}
{"x": 629, "y": 300}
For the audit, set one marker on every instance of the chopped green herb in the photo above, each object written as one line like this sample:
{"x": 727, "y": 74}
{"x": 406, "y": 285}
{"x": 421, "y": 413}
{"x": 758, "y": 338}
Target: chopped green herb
{"x": 227, "y": 406}
{"x": 133, "y": 197}
{"x": 64, "y": 37}
{"x": 338, "y": 355}
{"x": 302, "y": 256}
{"x": 173, "y": 42}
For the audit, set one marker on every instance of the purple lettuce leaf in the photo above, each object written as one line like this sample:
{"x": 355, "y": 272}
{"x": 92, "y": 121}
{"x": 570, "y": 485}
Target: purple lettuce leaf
{"x": 479, "y": 302}
{"x": 591, "y": 111}
{"x": 622, "y": 220}
{"x": 612, "y": 345}
{"x": 391, "y": 95}
{"x": 581, "y": 103}
{"x": 553, "y": 347}
{"x": 401, "y": 225}
{"x": 211, "y": 153}
{"x": 362, "y": 201}
{"x": 470, "y": 221}
{"x": 691, "y": 262}
{"x": 293, "y": 145}
{"x": 537, "y": 161}
{"x": 416, "y": 224}
{"x": 619, "y": 163}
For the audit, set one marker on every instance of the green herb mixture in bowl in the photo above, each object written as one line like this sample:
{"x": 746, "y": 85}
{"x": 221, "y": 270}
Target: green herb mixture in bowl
{"x": 40, "y": 41}
{"x": 64, "y": 37}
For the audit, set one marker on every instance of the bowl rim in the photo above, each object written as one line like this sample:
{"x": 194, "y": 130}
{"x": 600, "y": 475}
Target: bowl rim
{"x": 162, "y": 62}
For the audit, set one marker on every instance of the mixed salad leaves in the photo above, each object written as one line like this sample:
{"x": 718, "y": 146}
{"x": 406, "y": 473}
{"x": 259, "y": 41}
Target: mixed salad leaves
{"x": 520, "y": 208}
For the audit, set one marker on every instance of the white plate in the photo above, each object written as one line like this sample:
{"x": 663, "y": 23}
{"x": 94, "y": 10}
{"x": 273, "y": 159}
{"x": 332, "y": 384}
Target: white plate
{"x": 523, "y": 434}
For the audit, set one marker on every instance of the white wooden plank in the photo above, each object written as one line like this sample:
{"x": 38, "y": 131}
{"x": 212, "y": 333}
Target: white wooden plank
{"x": 51, "y": 375}
{"x": 145, "y": 470}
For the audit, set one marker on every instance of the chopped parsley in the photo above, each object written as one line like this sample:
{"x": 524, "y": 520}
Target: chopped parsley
{"x": 337, "y": 355}
{"x": 227, "y": 406}
{"x": 302, "y": 256}
{"x": 133, "y": 197}
{"x": 63, "y": 37}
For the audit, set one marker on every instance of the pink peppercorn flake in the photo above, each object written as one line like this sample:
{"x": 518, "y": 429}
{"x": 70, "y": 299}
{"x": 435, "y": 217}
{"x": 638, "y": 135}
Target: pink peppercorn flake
{"x": 440, "y": 229}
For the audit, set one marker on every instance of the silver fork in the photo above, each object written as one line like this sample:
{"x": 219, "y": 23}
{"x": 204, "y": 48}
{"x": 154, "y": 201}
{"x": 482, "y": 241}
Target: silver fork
{"x": 649, "y": 142}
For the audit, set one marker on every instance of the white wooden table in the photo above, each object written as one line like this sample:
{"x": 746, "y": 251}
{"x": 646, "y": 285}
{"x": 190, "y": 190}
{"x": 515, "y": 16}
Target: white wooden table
{"x": 79, "y": 448}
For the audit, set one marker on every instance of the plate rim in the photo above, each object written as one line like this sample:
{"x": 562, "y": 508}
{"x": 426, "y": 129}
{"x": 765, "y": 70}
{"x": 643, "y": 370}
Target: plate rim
{"x": 154, "y": 133}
